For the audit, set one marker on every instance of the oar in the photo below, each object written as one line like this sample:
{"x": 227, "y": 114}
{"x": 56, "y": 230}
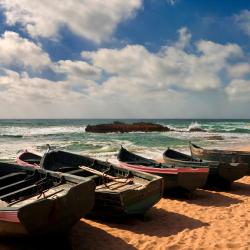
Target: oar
{"x": 101, "y": 174}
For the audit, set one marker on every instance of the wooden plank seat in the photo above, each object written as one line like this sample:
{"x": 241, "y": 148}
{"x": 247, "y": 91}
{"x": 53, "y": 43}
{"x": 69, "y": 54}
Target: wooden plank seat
{"x": 12, "y": 175}
{"x": 18, "y": 193}
{"x": 16, "y": 185}
{"x": 93, "y": 177}
{"x": 79, "y": 171}
{"x": 75, "y": 171}
{"x": 118, "y": 186}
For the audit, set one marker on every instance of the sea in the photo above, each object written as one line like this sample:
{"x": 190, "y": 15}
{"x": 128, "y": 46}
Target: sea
{"x": 70, "y": 135}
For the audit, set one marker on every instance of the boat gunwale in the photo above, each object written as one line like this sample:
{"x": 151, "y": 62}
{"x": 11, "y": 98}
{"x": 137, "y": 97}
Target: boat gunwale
{"x": 224, "y": 151}
{"x": 205, "y": 163}
{"x": 173, "y": 171}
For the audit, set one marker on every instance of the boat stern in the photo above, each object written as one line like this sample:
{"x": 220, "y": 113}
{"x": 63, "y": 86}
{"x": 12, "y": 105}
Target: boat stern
{"x": 233, "y": 171}
{"x": 191, "y": 179}
{"x": 58, "y": 212}
{"x": 139, "y": 200}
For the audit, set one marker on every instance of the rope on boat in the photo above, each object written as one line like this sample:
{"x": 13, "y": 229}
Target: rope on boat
{"x": 41, "y": 191}
{"x": 117, "y": 179}
{"x": 105, "y": 176}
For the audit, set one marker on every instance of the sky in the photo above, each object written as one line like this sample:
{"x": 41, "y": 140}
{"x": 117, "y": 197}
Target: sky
{"x": 125, "y": 59}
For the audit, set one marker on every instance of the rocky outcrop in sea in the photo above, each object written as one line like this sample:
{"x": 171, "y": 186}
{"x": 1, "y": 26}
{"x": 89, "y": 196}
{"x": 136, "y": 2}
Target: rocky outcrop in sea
{"x": 120, "y": 127}
{"x": 124, "y": 127}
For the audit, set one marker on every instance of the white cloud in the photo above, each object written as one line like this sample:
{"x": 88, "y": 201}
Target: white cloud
{"x": 239, "y": 70}
{"x": 38, "y": 90}
{"x": 130, "y": 82}
{"x": 91, "y": 19}
{"x": 171, "y": 68}
{"x": 25, "y": 97}
{"x": 15, "y": 50}
{"x": 78, "y": 69}
{"x": 243, "y": 20}
{"x": 184, "y": 38}
{"x": 239, "y": 89}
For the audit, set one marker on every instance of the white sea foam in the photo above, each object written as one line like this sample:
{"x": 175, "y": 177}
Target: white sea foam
{"x": 194, "y": 125}
{"x": 35, "y": 131}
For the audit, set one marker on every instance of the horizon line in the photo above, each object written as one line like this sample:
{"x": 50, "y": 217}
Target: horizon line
{"x": 192, "y": 118}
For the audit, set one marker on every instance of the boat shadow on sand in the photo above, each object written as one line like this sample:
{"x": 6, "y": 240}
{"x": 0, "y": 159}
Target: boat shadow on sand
{"x": 85, "y": 236}
{"x": 39, "y": 243}
{"x": 214, "y": 199}
{"x": 82, "y": 236}
{"x": 240, "y": 188}
{"x": 157, "y": 222}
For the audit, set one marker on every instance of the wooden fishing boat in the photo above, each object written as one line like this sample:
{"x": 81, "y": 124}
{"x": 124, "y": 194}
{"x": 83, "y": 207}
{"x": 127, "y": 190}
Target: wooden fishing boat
{"x": 220, "y": 173}
{"x": 36, "y": 201}
{"x": 221, "y": 155}
{"x": 119, "y": 191}
{"x": 28, "y": 159}
{"x": 184, "y": 179}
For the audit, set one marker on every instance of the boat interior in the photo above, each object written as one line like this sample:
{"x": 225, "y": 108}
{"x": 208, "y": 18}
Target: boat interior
{"x": 131, "y": 158}
{"x": 179, "y": 156}
{"x": 18, "y": 184}
{"x": 30, "y": 158}
{"x": 104, "y": 174}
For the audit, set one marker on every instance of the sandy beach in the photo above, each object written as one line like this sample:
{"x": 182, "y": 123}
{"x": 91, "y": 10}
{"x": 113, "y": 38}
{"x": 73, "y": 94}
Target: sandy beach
{"x": 211, "y": 220}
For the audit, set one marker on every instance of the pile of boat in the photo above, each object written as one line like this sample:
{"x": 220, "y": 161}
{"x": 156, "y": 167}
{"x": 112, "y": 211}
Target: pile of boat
{"x": 48, "y": 194}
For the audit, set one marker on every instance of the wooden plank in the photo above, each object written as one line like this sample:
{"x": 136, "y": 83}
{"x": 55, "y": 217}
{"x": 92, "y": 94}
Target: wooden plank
{"x": 12, "y": 175}
{"x": 17, "y": 192}
{"x": 75, "y": 171}
{"x": 94, "y": 171}
{"x": 16, "y": 185}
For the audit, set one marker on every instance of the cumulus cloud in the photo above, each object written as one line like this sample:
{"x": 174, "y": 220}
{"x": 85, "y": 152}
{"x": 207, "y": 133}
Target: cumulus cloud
{"x": 239, "y": 89}
{"x": 239, "y": 70}
{"x": 171, "y": 68}
{"x": 91, "y": 19}
{"x": 243, "y": 20}
{"x": 77, "y": 69}
{"x": 15, "y": 50}
{"x": 22, "y": 96}
{"x": 19, "y": 86}
{"x": 131, "y": 80}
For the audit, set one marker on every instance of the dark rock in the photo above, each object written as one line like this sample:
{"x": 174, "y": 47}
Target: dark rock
{"x": 215, "y": 137}
{"x": 117, "y": 122}
{"x": 124, "y": 128}
{"x": 197, "y": 130}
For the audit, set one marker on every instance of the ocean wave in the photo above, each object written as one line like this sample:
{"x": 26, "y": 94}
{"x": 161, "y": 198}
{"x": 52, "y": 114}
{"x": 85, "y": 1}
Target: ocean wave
{"x": 193, "y": 126}
{"x": 236, "y": 130}
{"x": 40, "y": 131}
{"x": 11, "y": 136}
